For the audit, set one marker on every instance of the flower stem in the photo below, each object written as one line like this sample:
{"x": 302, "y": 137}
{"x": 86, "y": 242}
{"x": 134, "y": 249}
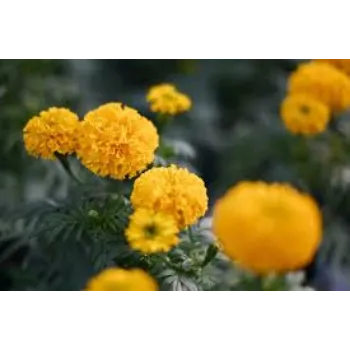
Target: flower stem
{"x": 67, "y": 167}
{"x": 162, "y": 121}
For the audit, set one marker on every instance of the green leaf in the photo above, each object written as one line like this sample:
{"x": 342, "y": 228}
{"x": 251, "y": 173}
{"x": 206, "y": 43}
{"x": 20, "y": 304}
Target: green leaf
{"x": 184, "y": 284}
{"x": 211, "y": 252}
{"x": 166, "y": 151}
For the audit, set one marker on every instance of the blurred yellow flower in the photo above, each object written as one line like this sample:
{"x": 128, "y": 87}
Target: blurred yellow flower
{"x": 324, "y": 83}
{"x": 53, "y": 131}
{"x": 117, "y": 279}
{"x": 173, "y": 191}
{"x": 342, "y": 64}
{"x": 302, "y": 114}
{"x": 167, "y": 100}
{"x": 268, "y": 228}
{"x": 151, "y": 232}
{"x": 115, "y": 140}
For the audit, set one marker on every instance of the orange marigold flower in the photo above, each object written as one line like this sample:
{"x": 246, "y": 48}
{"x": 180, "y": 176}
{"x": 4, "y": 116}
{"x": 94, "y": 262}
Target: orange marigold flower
{"x": 173, "y": 191}
{"x": 151, "y": 232}
{"x": 115, "y": 140}
{"x": 268, "y": 227}
{"x": 342, "y": 64}
{"x": 166, "y": 99}
{"x": 324, "y": 83}
{"x": 52, "y": 132}
{"x": 302, "y": 114}
{"x": 117, "y": 279}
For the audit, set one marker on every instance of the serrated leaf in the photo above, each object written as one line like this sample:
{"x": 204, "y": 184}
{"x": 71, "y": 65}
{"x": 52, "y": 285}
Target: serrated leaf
{"x": 182, "y": 283}
{"x": 208, "y": 281}
{"x": 167, "y": 273}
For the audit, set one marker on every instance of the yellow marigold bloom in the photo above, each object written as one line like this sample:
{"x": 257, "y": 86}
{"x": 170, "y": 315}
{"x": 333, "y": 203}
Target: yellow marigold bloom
{"x": 324, "y": 83}
{"x": 173, "y": 191}
{"x": 116, "y": 141}
{"x": 117, "y": 279}
{"x": 167, "y": 100}
{"x": 151, "y": 232}
{"x": 268, "y": 227}
{"x": 53, "y": 131}
{"x": 302, "y": 114}
{"x": 342, "y": 64}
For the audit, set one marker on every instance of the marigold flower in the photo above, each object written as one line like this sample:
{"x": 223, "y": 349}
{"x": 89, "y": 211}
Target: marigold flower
{"x": 167, "y": 100}
{"x": 324, "y": 83}
{"x": 268, "y": 228}
{"x": 53, "y": 131}
{"x": 151, "y": 232}
{"x": 302, "y": 114}
{"x": 116, "y": 141}
{"x": 173, "y": 191}
{"x": 117, "y": 279}
{"x": 342, "y": 64}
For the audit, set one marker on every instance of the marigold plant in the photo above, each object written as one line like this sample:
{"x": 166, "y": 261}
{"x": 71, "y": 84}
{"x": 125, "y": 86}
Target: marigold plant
{"x": 342, "y": 64}
{"x": 117, "y": 279}
{"x": 268, "y": 228}
{"x": 167, "y": 100}
{"x": 302, "y": 114}
{"x": 151, "y": 232}
{"x": 173, "y": 191}
{"x": 52, "y": 132}
{"x": 324, "y": 83}
{"x": 115, "y": 140}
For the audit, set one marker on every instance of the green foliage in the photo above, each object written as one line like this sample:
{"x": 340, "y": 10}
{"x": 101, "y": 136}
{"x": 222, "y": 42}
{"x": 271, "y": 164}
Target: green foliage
{"x": 27, "y": 87}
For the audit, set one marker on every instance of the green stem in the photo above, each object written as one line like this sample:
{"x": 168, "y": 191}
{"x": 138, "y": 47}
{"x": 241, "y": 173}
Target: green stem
{"x": 167, "y": 262}
{"x": 211, "y": 253}
{"x": 162, "y": 121}
{"x": 190, "y": 235}
{"x": 259, "y": 284}
{"x": 66, "y": 166}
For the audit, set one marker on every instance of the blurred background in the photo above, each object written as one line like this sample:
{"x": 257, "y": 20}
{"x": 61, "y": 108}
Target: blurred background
{"x": 233, "y": 131}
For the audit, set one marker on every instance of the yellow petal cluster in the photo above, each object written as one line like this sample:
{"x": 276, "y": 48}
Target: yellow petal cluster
{"x": 117, "y": 279}
{"x": 341, "y": 64}
{"x": 302, "y": 114}
{"x": 268, "y": 227}
{"x": 173, "y": 191}
{"x": 115, "y": 140}
{"x": 150, "y": 232}
{"x": 167, "y": 100}
{"x": 52, "y": 131}
{"x": 324, "y": 83}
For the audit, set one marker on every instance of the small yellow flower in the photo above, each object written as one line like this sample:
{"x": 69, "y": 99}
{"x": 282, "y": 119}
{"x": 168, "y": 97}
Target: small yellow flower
{"x": 268, "y": 228}
{"x": 342, "y": 64}
{"x": 302, "y": 114}
{"x": 151, "y": 232}
{"x": 324, "y": 83}
{"x": 117, "y": 279}
{"x": 167, "y": 100}
{"x": 53, "y": 131}
{"x": 116, "y": 141}
{"x": 173, "y": 191}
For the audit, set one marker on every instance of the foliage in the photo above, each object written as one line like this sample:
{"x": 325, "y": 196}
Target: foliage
{"x": 26, "y": 87}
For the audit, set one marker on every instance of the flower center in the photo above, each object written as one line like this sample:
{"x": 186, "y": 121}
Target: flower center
{"x": 304, "y": 109}
{"x": 150, "y": 230}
